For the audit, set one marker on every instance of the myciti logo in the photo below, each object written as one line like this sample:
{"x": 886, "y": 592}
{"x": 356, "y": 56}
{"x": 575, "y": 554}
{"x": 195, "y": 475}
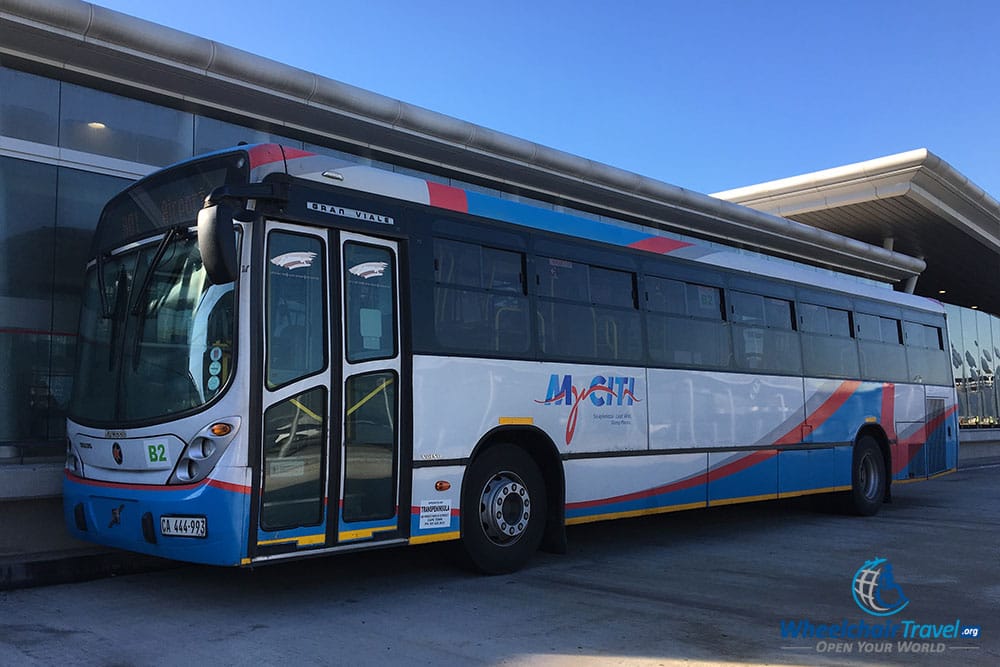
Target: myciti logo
{"x": 876, "y": 591}
{"x": 602, "y": 392}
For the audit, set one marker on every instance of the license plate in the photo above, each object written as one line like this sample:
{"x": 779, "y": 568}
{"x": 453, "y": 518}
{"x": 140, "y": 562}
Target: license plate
{"x": 184, "y": 526}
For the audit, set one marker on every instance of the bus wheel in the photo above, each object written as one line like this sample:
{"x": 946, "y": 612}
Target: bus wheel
{"x": 868, "y": 478}
{"x": 503, "y": 510}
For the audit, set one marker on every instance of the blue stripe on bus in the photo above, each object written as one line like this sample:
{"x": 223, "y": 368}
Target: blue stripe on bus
{"x": 552, "y": 221}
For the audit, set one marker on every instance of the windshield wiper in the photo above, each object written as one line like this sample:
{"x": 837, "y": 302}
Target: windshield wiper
{"x": 172, "y": 234}
{"x": 102, "y": 288}
{"x": 117, "y": 313}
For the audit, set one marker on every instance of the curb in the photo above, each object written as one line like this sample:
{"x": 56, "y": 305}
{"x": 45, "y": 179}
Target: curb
{"x": 47, "y": 570}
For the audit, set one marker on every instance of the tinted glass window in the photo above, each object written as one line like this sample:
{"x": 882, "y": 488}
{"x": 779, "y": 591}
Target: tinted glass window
{"x": 747, "y": 308}
{"x": 666, "y": 296}
{"x": 830, "y": 356}
{"x": 369, "y": 302}
{"x": 296, "y": 302}
{"x": 778, "y": 313}
{"x": 868, "y": 327}
{"x": 562, "y": 279}
{"x": 27, "y": 225}
{"x": 212, "y": 135}
{"x": 824, "y": 320}
{"x": 370, "y": 446}
{"x": 457, "y": 263}
{"x": 704, "y": 301}
{"x": 611, "y": 288}
{"x": 890, "y": 330}
{"x": 29, "y": 107}
{"x": 503, "y": 270}
{"x": 839, "y": 321}
{"x": 81, "y": 196}
{"x": 813, "y": 318}
{"x": 586, "y": 332}
{"x": 487, "y": 310}
{"x": 294, "y": 433}
{"x": 97, "y": 122}
{"x": 684, "y": 341}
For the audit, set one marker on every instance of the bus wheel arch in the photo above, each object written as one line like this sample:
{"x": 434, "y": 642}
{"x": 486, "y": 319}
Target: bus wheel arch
{"x": 512, "y": 460}
{"x": 871, "y": 466}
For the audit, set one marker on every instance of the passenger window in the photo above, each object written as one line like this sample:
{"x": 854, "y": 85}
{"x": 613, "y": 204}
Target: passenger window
{"x": 666, "y": 296}
{"x": 295, "y": 308}
{"x": 479, "y": 299}
{"x": 294, "y": 438}
{"x": 369, "y": 302}
{"x": 562, "y": 279}
{"x": 370, "y": 430}
{"x": 612, "y": 288}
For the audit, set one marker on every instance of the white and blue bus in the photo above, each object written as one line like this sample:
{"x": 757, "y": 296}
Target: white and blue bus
{"x": 282, "y": 354}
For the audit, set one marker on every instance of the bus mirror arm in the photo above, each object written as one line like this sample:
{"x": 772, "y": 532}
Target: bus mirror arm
{"x": 217, "y": 242}
{"x": 223, "y": 206}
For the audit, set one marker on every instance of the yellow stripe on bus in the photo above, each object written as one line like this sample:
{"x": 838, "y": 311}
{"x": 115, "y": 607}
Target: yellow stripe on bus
{"x": 436, "y": 537}
{"x": 742, "y": 499}
{"x": 924, "y": 479}
{"x": 303, "y": 541}
{"x": 810, "y": 492}
{"x": 363, "y": 533}
{"x": 634, "y": 513}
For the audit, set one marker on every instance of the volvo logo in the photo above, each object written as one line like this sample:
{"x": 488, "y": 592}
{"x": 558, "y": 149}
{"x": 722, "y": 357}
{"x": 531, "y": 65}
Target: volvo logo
{"x": 116, "y": 451}
{"x": 116, "y": 515}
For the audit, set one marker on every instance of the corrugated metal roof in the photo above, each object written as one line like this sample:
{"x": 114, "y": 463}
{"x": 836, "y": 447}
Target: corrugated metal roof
{"x": 918, "y": 200}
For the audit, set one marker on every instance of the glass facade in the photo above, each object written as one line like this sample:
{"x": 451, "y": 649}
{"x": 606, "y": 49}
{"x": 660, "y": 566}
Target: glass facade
{"x": 48, "y": 212}
{"x": 975, "y": 350}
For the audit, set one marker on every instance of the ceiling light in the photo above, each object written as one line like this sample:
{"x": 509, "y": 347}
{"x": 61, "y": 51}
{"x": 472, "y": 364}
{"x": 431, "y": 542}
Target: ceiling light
{"x": 96, "y": 125}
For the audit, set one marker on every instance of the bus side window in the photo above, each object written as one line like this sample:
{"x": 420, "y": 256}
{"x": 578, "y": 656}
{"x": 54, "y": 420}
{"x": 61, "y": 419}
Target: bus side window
{"x": 295, "y": 305}
{"x": 369, "y": 302}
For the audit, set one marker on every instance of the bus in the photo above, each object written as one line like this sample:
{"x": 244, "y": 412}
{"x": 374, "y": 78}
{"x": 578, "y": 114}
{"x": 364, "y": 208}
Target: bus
{"x": 284, "y": 354}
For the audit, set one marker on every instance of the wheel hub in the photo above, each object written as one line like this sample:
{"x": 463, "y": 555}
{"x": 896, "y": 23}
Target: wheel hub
{"x": 505, "y": 508}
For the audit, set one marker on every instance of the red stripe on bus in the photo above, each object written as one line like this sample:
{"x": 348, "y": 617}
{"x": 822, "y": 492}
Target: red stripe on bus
{"x": 225, "y": 486}
{"x": 265, "y": 154}
{"x": 658, "y": 244}
{"x": 919, "y": 438}
{"x": 445, "y": 196}
{"x": 698, "y": 479}
{"x": 229, "y": 486}
{"x": 687, "y": 483}
{"x": 889, "y": 410}
{"x": 828, "y": 408}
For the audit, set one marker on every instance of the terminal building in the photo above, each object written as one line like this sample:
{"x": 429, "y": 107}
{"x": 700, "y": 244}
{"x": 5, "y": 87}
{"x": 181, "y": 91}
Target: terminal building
{"x": 92, "y": 99}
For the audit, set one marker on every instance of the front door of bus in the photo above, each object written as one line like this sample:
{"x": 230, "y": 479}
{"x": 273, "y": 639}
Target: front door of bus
{"x": 369, "y": 452}
{"x": 292, "y": 481}
{"x": 330, "y": 429}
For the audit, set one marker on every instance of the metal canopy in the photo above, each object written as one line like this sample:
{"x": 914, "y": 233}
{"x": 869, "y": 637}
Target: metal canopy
{"x": 917, "y": 202}
{"x": 78, "y": 41}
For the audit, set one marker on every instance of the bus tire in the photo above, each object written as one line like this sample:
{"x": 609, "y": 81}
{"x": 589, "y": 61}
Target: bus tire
{"x": 503, "y": 510}
{"x": 868, "y": 478}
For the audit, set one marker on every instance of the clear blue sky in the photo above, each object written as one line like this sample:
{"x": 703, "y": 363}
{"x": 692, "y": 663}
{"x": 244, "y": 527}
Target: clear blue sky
{"x": 705, "y": 94}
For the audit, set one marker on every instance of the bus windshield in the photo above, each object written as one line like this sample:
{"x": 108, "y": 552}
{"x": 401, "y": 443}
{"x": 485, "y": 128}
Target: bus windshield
{"x": 156, "y": 336}
{"x": 162, "y": 345}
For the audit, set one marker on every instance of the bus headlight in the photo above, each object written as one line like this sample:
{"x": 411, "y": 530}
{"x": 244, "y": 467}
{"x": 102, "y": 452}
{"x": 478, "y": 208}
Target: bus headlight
{"x": 204, "y": 451}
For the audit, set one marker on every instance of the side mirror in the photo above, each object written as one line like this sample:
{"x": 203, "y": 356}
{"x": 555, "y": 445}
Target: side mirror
{"x": 217, "y": 243}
